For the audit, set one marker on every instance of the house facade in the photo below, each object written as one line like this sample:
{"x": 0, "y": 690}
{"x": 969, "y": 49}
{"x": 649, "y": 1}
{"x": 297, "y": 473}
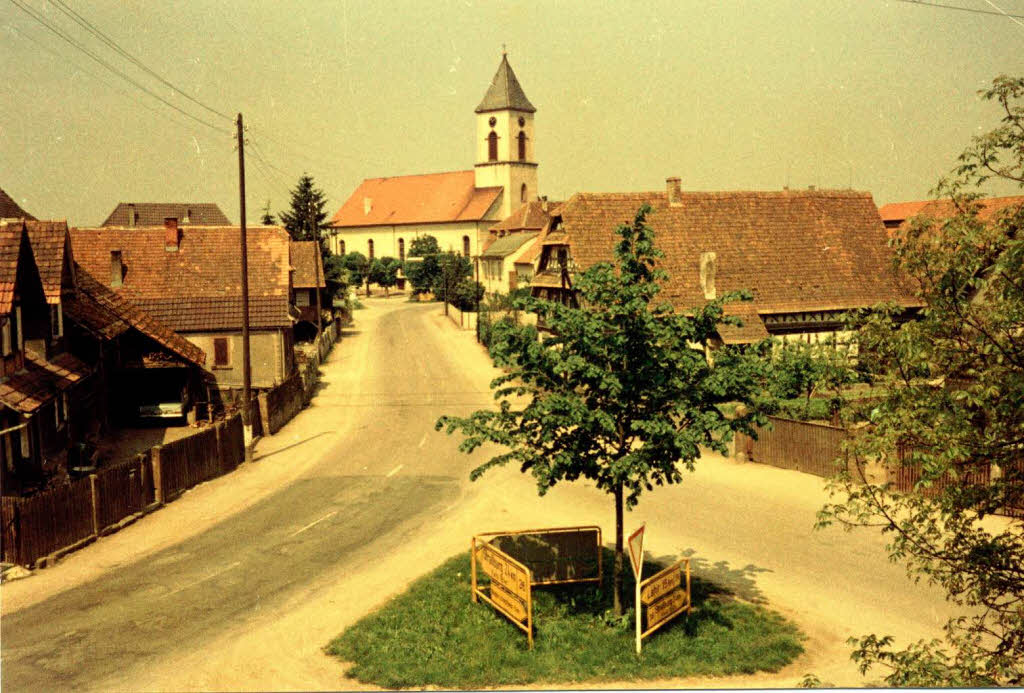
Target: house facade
{"x": 808, "y": 257}
{"x": 384, "y": 215}
{"x": 307, "y": 281}
{"x": 189, "y": 279}
{"x": 508, "y": 260}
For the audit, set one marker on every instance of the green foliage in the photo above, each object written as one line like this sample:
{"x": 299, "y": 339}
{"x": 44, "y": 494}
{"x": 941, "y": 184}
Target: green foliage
{"x": 466, "y": 294}
{"x": 307, "y": 215}
{"x": 434, "y": 636}
{"x": 955, "y": 399}
{"x": 384, "y": 272}
{"x": 800, "y": 371}
{"x": 422, "y": 268}
{"x": 454, "y": 268}
{"x": 620, "y": 391}
{"x": 354, "y": 265}
{"x": 267, "y": 219}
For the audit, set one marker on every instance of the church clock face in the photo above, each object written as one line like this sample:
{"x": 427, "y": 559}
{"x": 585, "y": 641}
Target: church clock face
{"x": 522, "y": 121}
{"x": 493, "y": 121}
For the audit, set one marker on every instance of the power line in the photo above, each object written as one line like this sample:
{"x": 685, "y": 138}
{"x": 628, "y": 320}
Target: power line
{"x": 963, "y": 9}
{"x": 113, "y": 69}
{"x": 94, "y": 75}
{"x": 88, "y": 26}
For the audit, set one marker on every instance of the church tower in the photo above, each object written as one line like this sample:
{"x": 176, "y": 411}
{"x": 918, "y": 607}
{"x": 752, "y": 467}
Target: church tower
{"x": 504, "y": 134}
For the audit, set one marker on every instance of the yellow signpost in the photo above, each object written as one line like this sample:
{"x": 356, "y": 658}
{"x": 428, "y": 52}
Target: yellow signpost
{"x": 553, "y": 556}
{"x": 664, "y": 595}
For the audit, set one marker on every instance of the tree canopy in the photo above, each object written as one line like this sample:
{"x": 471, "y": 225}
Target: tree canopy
{"x": 954, "y": 416}
{"x": 620, "y": 391}
{"x": 384, "y": 272}
{"x": 306, "y": 218}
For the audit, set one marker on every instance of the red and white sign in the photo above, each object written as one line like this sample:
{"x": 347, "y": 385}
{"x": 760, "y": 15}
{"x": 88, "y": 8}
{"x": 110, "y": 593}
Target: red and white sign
{"x": 636, "y": 550}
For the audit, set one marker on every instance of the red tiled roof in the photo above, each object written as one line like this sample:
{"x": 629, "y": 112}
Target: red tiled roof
{"x": 752, "y": 329}
{"x": 154, "y": 213}
{"x": 41, "y": 380}
{"x": 50, "y": 242}
{"x": 9, "y": 209}
{"x": 428, "y": 198}
{"x": 307, "y": 265}
{"x": 197, "y": 287}
{"x": 10, "y": 252}
{"x": 530, "y": 216}
{"x": 107, "y": 314}
{"x": 795, "y": 250}
{"x": 988, "y": 208}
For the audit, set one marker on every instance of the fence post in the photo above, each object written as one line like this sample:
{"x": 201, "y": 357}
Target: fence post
{"x": 93, "y": 487}
{"x": 158, "y": 475}
{"x": 219, "y": 434}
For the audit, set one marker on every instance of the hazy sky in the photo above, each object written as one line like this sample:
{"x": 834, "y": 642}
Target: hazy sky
{"x": 880, "y": 94}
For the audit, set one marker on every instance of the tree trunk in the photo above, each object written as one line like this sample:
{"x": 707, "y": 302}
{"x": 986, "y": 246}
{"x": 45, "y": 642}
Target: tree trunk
{"x": 617, "y": 578}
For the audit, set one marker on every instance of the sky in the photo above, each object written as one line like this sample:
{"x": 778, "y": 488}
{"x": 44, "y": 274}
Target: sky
{"x": 878, "y": 95}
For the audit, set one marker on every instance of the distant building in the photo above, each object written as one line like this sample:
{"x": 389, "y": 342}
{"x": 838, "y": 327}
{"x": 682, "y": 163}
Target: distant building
{"x": 189, "y": 279}
{"x": 131, "y": 214}
{"x": 384, "y": 215}
{"x": 9, "y": 209}
{"x": 807, "y": 256}
{"x": 307, "y": 279}
{"x": 508, "y": 260}
{"x": 896, "y": 214}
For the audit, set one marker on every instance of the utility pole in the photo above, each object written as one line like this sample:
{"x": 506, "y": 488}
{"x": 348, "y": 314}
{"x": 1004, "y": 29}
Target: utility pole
{"x": 246, "y": 372}
{"x": 476, "y": 292}
{"x": 316, "y": 265}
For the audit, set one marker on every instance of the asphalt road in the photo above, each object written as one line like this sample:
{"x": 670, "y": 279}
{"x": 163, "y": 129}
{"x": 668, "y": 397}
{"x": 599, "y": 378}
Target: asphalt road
{"x": 390, "y": 475}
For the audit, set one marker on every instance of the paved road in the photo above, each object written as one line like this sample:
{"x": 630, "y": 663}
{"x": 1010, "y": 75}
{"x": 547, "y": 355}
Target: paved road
{"x": 389, "y": 478}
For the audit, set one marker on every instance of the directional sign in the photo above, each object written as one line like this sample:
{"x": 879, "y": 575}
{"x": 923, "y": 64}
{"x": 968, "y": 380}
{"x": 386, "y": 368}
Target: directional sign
{"x": 636, "y": 550}
{"x": 666, "y": 607}
{"x": 656, "y": 586}
{"x": 504, "y": 571}
{"x": 508, "y": 602}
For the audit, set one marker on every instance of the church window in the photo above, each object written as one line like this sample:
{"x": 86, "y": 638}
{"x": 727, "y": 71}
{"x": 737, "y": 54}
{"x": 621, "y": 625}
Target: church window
{"x": 522, "y": 193}
{"x": 522, "y": 146}
{"x": 465, "y": 246}
{"x": 492, "y": 146}
{"x": 369, "y": 248}
{"x": 401, "y": 250}
{"x": 341, "y": 247}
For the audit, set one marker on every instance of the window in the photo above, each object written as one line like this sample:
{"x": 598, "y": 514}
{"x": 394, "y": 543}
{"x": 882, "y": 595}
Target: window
{"x": 522, "y": 146}
{"x": 19, "y": 329}
{"x": 302, "y": 298}
{"x": 401, "y": 250}
{"x": 116, "y": 268}
{"x": 341, "y": 247}
{"x": 221, "y": 353}
{"x": 7, "y": 336}
{"x": 465, "y": 246}
{"x": 26, "y": 448}
{"x": 522, "y": 193}
{"x": 369, "y": 247}
{"x": 492, "y": 146}
{"x": 56, "y": 320}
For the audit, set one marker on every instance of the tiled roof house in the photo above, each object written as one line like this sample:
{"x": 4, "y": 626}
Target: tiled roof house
{"x": 509, "y": 257}
{"x": 9, "y": 209}
{"x": 153, "y": 214}
{"x": 896, "y": 214}
{"x": 307, "y": 277}
{"x": 807, "y": 256}
{"x": 384, "y": 215}
{"x": 189, "y": 279}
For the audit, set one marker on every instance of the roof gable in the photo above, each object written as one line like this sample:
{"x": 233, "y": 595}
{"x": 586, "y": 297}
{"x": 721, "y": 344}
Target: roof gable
{"x": 418, "y": 199}
{"x": 154, "y": 213}
{"x": 51, "y": 248}
{"x": 307, "y": 265}
{"x": 10, "y": 255}
{"x": 9, "y": 209}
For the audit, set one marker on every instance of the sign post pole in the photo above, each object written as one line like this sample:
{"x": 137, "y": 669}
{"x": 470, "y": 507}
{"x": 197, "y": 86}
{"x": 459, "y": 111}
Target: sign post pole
{"x": 636, "y": 557}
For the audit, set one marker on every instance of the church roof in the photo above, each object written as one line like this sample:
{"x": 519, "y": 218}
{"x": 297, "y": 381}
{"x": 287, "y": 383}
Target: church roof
{"x": 505, "y": 92}
{"x": 421, "y": 199}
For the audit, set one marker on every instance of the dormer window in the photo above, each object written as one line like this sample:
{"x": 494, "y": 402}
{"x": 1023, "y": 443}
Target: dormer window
{"x": 492, "y": 146}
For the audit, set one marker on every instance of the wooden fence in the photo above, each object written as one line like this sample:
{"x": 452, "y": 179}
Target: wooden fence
{"x": 34, "y": 527}
{"x": 907, "y": 474}
{"x": 806, "y": 447}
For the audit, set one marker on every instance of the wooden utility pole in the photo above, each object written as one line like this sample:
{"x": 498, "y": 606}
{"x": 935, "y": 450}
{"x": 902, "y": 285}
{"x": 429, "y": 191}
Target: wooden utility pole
{"x": 246, "y": 372}
{"x": 316, "y": 270}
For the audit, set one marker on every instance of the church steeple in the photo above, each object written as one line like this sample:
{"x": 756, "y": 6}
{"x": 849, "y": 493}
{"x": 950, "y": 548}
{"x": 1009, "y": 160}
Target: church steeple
{"x": 505, "y": 144}
{"x": 505, "y": 93}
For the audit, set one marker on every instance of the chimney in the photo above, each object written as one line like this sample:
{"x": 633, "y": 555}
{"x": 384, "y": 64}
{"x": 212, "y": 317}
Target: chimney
{"x": 188, "y": 217}
{"x": 131, "y": 215}
{"x": 675, "y": 193}
{"x": 708, "y": 264}
{"x": 810, "y": 187}
{"x": 172, "y": 235}
{"x": 367, "y": 205}
{"x": 116, "y": 269}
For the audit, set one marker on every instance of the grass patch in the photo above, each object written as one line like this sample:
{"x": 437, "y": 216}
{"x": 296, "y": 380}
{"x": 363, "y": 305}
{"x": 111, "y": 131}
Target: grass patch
{"x": 432, "y": 635}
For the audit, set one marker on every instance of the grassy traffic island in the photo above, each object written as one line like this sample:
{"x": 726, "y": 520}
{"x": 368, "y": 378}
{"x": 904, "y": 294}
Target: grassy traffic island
{"x": 432, "y": 635}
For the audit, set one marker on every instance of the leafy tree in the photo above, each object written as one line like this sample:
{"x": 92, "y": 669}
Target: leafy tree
{"x": 384, "y": 273}
{"x": 307, "y": 218}
{"x": 267, "y": 219}
{"x": 454, "y": 268}
{"x": 337, "y": 276}
{"x": 466, "y": 294}
{"x": 356, "y": 266}
{"x": 620, "y": 392}
{"x": 955, "y": 400}
{"x": 423, "y": 273}
{"x": 802, "y": 370}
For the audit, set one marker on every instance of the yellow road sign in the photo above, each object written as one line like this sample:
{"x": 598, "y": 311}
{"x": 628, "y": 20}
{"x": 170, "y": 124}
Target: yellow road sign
{"x": 666, "y": 607}
{"x": 502, "y": 570}
{"x": 508, "y": 602}
{"x": 661, "y": 584}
